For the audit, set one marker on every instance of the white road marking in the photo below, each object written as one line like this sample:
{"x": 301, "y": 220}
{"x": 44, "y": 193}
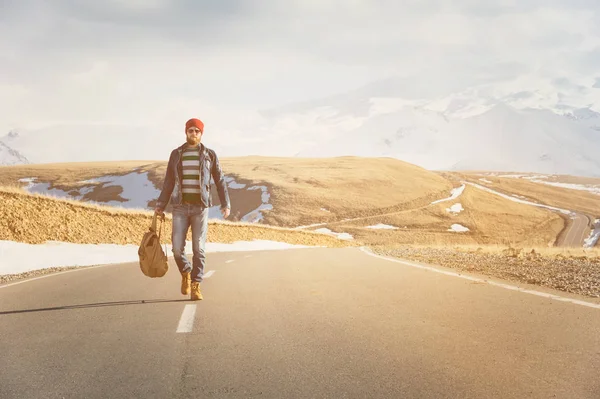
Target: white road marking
{"x": 51, "y": 274}
{"x": 208, "y": 274}
{"x": 507, "y": 286}
{"x": 186, "y": 323}
{"x": 248, "y": 256}
{"x": 229, "y": 261}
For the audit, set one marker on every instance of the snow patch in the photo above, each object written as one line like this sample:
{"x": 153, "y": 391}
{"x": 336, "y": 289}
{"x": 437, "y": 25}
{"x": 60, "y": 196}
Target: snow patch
{"x": 456, "y": 192}
{"x": 458, "y": 228}
{"x": 309, "y": 225}
{"x": 582, "y": 187}
{"x": 18, "y": 257}
{"x": 455, "y": 209}
{"x": 214, "y": 212}
{"x": 138, "y": 190}
{"x": 525, "y": 177}
{"x": 231, "y": 183}
{"x": 382, "y": 226}
{"x": 594, "y": 235}
{"x": 341, "y": 236}
{"x": 564, "y": 211}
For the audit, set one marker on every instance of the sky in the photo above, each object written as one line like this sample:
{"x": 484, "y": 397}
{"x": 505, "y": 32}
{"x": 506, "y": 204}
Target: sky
{"x": 159, "y": 62}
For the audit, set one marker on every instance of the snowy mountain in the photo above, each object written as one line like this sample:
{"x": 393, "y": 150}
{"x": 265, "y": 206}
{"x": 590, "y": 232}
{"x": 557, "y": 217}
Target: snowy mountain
{"x": 10, "y": 156}
{"x": 529, "y": 124}
{"x": 502, "y": 138}
{"x": 83, "y": 143}
{"x": 525, "y": 140}
{"x": 542, "y": 127}
{"x": 586, "y": 117}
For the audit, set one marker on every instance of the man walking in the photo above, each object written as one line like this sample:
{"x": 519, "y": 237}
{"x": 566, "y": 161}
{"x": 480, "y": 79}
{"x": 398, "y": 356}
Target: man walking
{"x": 187, "y": 185}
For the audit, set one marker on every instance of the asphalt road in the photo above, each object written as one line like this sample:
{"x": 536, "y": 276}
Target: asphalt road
{"x": 307, "y": 323}
{"x": 576, "y": 231}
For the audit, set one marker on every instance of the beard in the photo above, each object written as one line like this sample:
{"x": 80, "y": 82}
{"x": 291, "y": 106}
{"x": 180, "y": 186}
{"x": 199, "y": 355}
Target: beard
{"x": 193, "y": 141}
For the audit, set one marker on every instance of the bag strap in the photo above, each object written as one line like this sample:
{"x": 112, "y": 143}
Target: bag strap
{"x": 161, "y": 230}
{"x": 162, "y": 225}
{"x": 153, "y": 225}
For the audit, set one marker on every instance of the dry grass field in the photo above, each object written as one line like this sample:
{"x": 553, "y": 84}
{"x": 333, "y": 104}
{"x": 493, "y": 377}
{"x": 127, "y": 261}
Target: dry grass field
{"x": 346, "y": 186}
{"x": 490, "y": 219}
{"x": 299, "y": 188}
{"x": 577, "y": 200}
{"x": 328, "y": 191}
{"x": 65, "y": 176}
{"x": 35, "y": 219}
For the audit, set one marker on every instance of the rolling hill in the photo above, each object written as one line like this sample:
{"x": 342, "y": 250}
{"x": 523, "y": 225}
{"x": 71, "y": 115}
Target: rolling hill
{"x": 379, "y": 201}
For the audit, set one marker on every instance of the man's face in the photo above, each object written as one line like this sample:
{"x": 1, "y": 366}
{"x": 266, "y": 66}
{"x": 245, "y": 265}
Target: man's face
{"x": 194, "y": 135}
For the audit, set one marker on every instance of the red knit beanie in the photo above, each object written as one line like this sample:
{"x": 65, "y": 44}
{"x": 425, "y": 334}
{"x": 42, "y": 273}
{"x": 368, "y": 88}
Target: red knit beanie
{"x": 195, "y": 123}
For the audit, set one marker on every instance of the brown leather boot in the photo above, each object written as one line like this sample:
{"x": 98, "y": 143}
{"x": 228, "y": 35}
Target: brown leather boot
{"x": 186, "y": 281}
{"x": 196, "y": 294}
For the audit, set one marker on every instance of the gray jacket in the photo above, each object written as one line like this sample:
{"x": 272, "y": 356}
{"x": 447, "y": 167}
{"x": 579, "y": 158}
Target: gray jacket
{"x": 209, "y": 166}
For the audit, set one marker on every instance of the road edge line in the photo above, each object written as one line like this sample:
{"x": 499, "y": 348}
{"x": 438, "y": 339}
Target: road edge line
{"x": 78, "y": 269}
{"x": 501, "y": 285}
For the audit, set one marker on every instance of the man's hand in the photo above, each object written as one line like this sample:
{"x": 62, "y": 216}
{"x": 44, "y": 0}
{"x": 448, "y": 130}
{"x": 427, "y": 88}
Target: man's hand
{"x": 159, "y": 211}
{"x": 225, "y": 212}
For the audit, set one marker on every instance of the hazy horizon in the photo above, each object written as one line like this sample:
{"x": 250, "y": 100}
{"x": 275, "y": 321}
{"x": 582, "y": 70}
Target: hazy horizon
{"x": 156, "y": 63}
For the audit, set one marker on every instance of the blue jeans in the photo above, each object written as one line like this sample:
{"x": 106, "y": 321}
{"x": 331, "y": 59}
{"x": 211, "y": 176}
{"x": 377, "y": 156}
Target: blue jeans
{"x": 184, "y": 216}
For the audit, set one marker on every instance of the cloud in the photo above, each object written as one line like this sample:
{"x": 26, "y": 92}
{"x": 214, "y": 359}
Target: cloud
{"x": 124, "y": 60}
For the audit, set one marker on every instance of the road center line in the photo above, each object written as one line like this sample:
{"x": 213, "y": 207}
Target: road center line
{"x": 501, "y": 285}
{"x": 229, "y": 261}
{"x": 208, "y": 274}
{"x": 186, "y": 323}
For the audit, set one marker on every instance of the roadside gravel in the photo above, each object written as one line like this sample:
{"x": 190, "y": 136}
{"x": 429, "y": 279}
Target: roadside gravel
{"x": 578, "y": 275}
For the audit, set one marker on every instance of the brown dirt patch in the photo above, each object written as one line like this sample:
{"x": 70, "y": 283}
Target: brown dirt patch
{"x": 36, "y": 219}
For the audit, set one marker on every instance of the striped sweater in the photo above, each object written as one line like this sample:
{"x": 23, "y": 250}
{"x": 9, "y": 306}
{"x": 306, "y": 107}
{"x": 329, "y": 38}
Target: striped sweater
{"x": 191, "y": 176}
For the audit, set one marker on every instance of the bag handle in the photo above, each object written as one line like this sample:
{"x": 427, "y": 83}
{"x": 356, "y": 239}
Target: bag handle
{"x": 162, "y": 228}
{"x": 162, "y": 225}
{"x": 153, "y": 225}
